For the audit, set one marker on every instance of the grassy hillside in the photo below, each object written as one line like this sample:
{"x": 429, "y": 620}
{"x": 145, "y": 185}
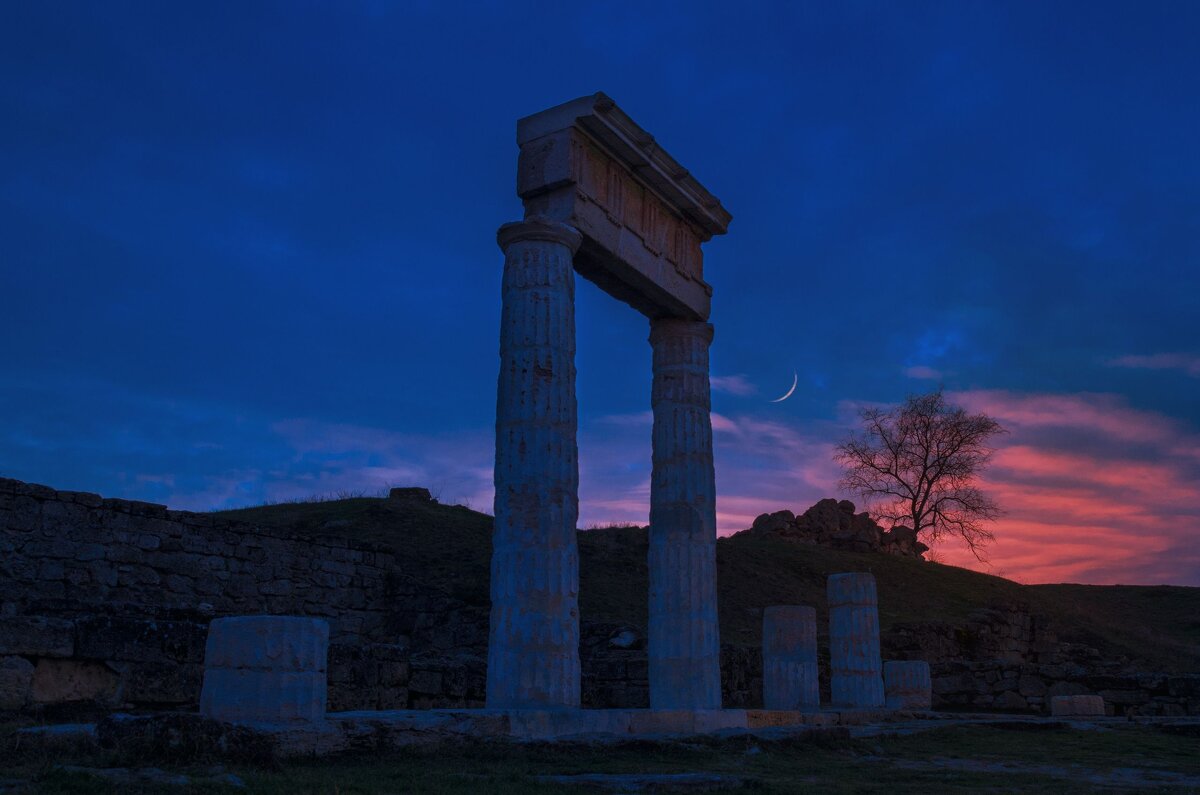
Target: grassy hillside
{"x": 450, "y": 546}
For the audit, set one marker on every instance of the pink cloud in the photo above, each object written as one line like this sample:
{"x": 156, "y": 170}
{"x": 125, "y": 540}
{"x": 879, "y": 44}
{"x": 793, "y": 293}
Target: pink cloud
{"x": 1094, "y": 490}
{"x": 1188, "y": 363}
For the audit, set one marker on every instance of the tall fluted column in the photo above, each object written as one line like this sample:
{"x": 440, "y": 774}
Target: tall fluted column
{"x": 533, "y": 644}
{"x": 684, "y": 646}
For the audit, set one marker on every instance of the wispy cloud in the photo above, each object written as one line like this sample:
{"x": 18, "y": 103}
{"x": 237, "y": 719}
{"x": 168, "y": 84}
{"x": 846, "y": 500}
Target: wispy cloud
{"x": 1187, "y": 363}
{"x": 1095, "y": 490}
{"x": 920, "y": 371}
{"x": 733, "y": 385}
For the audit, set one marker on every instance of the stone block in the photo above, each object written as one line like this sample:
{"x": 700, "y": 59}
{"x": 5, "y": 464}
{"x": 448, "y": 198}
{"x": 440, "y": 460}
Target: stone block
{"x": 1029, "y": 685}
{"x": 1183, "y": 686}
{"x": 907, "y": 684}
{"x": 162, "y": 683}
{"x": 262, "y": 696}
{"x": 1066, "y": 688}
{"x": 59, "y": 681}
{"x": 16, "y": 677}
{"x": 1076, "y": 706}
{"x": 426, "y": 682}
{"x": 1010, "y": 700}
{"x": 269, "y": 643}
{"x": 36, "y": 636}
{"x": 267, "y": 669}
{"x": 790, "y": 678}
{"x": 140, "y": 640}
{"x": 410, "y": 494}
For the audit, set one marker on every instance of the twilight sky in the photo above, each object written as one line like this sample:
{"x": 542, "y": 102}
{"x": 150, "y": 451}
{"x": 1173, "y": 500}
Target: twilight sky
{"x": 247, "y": 250}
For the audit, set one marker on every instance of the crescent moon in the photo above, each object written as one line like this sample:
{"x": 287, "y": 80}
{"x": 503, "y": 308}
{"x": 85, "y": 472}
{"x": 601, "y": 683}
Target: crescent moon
{"x": 795, "y": 381}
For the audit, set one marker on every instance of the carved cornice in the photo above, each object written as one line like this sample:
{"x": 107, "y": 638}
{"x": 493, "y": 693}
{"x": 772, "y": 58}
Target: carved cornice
{"x": 605, "y": 123}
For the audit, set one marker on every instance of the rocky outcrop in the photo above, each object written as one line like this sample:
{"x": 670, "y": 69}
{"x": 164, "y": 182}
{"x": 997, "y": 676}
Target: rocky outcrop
{"x": 834, "y": 524}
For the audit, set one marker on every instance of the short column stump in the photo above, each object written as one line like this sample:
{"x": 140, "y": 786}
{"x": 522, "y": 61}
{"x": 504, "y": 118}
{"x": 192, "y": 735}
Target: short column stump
{"x": 265, "y": 669}
{"x": 906, "y": 684}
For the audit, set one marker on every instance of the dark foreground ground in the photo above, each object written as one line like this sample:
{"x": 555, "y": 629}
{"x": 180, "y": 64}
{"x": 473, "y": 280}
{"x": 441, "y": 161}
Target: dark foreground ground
{"x": 994, "y": 758}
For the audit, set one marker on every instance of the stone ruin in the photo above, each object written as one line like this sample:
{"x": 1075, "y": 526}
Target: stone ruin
{"x": 270, "y": 671}
{"x": 603, "y": 199}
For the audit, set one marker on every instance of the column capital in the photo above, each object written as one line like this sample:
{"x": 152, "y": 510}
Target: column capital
{"x": 667, "y": 327}
{"x": 539, "y": 227}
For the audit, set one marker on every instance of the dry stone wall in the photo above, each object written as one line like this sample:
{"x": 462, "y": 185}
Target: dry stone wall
{"x": 108, "y": 602}
{"x": 1005, "y": 658}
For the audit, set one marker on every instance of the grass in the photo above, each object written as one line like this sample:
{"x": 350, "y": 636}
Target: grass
{"x": 953, "y": 759}
{"x": 449, "y": 547}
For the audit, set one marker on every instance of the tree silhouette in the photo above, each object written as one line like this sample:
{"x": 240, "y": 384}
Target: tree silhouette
{"x": 918, "y": 463}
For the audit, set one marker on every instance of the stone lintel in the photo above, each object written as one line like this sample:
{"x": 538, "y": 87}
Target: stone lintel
{"x": 599, "y": 116}
{"x": 642, "y": 215}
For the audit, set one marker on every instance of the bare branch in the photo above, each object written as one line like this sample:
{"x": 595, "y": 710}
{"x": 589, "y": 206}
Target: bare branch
{"x": 918, "y": 464}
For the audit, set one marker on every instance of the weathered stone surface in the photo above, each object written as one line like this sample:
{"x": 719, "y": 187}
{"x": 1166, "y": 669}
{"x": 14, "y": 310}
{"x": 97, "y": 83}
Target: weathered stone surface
{"x": 856, "y": 677}
{"x": 268, "y": 643}
{"x": 643, "y": 217}
{"x": 790, "y": 678}
{"x": 57, "y": 681}
{"x": 139, "y": 639}
{"x": 36, "y": 636}
{"x": 263, "y": 696}
{"x": 265, "y": 669}
{"x": 1076, "y": 706}
{"x": 684, "y": 638}
{"x": 533, "y": 647}
{"x": 907, "y": 684}
{"x": 16, "y": 677}
{"x": 160, "y": 684}
{"x": 185, "y": 737}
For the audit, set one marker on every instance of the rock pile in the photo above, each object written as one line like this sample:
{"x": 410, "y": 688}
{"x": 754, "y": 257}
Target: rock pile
{"x": 834, "y": 524}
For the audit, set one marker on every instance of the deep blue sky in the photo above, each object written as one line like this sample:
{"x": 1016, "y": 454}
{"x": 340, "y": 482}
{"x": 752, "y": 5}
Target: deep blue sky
{"x": 247, "y": 249}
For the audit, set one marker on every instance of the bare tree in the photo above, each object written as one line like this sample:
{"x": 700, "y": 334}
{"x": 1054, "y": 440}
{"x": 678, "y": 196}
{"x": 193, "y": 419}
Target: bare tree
{"x": 917, "y": 464}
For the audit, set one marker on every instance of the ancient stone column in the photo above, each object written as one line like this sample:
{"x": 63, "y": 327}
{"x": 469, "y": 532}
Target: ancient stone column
{"x": 683, "y": 642}
{"x": 789, "y": 650}
{"x": 906, "y": 684}
{"x": 533, "y": 644}
{"x": 265, "y": 669}
{"x": 854, "y": 663}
